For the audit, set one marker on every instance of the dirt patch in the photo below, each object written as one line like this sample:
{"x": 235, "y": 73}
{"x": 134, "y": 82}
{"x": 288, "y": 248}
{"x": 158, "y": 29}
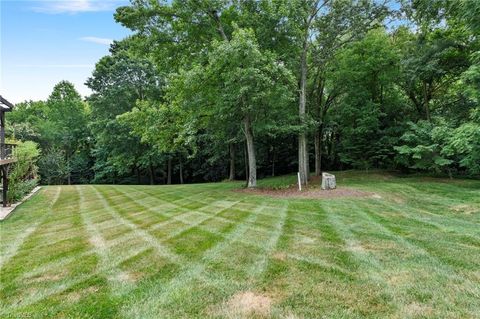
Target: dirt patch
{"x": 75, "y": 296}
{"x": 416, "y": 309}
{"x": 48, "y": 277}
{"x": 399, "y": 278}
{"x": 305, "y": 239}
{"x": 356, "y": 248}
{"x": 98, "y": 242}
{"x": 464, "y": 209}
{"x": 249, "y": 304}
{"x": 375, "y": 247}
{"x": 311, "y": 193}
{"x": 280, "y": 256}
{"x": 126, "y": 277}
{"x": 476, "y": 274}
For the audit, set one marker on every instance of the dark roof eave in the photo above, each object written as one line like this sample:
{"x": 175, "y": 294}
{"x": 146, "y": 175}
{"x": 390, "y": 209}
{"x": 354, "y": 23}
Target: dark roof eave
{"x": 6, "y": 103}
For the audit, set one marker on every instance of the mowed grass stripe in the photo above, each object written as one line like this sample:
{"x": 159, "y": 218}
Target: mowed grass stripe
{"x": 394, "y": 231}
{"x": 205, "y": 208}
{"x": 184, "y": 216}
{"x": 50, "y": 281}
{"x": 61, "y": 287}
{"x": 429, "y": 255}
{"x": 158, "y": 213}
{"x": 176, "y": 232}
{"x": 452, "y": 234}
{"x": 117, "y": 278}
{"x": 402, "y": 228}
{"x": 144, "y": 235}
{"x": 156, "y": 302}
{"x": 13, "y": 245}
{"x": 410, "y": 252}
{"x": 383, "y": 273}
{"x": 369, "y": 267}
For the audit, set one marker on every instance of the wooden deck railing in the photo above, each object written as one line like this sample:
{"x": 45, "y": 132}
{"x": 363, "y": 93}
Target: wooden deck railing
{"x": 7, "y": 151}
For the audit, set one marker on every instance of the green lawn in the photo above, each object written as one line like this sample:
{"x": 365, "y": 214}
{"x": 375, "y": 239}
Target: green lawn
{"x": 204, "y": 251}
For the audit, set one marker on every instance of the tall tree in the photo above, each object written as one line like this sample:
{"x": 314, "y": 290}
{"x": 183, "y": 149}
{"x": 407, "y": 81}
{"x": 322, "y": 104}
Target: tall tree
{"x": 66, "y": 123}
{"x": 118, "y": 82}
{"x": 333, "y": 23}
{"x": 246, "y": 83}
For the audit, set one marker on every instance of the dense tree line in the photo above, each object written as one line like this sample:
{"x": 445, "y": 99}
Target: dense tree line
{"x": 219, "y": 89}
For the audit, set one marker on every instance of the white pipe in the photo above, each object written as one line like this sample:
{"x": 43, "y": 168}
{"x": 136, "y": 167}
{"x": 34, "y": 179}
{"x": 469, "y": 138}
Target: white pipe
{"x": 299, "y": 182}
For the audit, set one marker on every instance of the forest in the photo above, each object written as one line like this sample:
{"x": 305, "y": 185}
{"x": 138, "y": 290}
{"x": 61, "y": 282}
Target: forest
{"x": 212, "y": 90}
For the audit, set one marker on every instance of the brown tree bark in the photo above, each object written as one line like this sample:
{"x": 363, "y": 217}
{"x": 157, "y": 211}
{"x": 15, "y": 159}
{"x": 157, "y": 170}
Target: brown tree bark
{"x": 181, "y": 172}
{"x": 318, "y": 152}
{"x": 302, "y": 137}
{"x": 231, "y": 176}
{"x": 426, "y": 101}
{"x": 169, "y": 171}
{"x": 303, "y": 158}
{"x": 274, "y": 157}
{"x": 245, "y": 160}
{"x": 69, "y": 175}
{"x": 152, "y": 174}
{"x": 252, "y": 164}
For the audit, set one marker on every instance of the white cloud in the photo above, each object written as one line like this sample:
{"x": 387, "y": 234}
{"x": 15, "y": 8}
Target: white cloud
{"x": 97, "y": 40}
{"x": 75, "y": 6}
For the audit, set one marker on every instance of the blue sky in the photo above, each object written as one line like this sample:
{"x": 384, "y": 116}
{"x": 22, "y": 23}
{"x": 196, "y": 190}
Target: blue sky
{"x": 45, "y": 41}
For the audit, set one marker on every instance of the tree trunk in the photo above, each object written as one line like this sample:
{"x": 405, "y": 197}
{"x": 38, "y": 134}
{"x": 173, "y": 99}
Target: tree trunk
{"x": 252, "y": 164}
{"x": 426, "y": 102}
{"x": 169, "y": 171}
{"x": 245, "y": 160}
{"x": 4, "y": 169}
{"x": 302, "y": 137}
{"x": 152, "y": 174}
{"x": 69, "y": 174}
{"x": 427, "y": 111}
{"x": 181, "y": 172}
{"x": 273, "y": 160}
{"x": 318, "y": 151}
{"x": 231, "y": 176}
{"x": 138, "y": 176}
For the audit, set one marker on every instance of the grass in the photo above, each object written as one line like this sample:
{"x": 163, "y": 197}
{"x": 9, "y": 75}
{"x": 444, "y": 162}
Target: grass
{"x": 204, "y": 251}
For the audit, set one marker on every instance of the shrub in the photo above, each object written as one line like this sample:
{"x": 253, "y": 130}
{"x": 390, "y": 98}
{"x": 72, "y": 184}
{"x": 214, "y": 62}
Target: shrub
{"x": 54, "y": 168}
{"x": 23, "y": 173}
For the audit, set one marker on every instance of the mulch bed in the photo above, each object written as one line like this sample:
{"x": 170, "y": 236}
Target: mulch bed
{"x": 313, "y": 192}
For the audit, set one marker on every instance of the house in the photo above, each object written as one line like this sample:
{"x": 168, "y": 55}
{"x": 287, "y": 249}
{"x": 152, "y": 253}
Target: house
{"x": 7, "y": 151}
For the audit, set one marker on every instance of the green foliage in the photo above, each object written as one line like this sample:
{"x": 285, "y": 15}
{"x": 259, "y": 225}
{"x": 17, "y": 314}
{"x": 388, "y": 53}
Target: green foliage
{"x": 438, "y": 147}
{"x": 24, "y": 122}
{"x": 243, "y": 81}
{"x": 23, "y": 174}
{"x": 60, "y": 123}
{"x": 465, "y": 143}
{"x": 53, "y": 166}
{"x": 366, "y": 113}
{"x": 423, "y": 146}
{"x": 66, "y": 116}
{"x": 118, "y": 82}
{"x": 193, "y": 75}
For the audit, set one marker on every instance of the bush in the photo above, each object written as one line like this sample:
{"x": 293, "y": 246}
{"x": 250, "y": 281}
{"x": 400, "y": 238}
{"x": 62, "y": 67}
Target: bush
{"x": 23, "y": 173}
{"x": 54, "y": 169}
{"x": 438, "y": 148}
